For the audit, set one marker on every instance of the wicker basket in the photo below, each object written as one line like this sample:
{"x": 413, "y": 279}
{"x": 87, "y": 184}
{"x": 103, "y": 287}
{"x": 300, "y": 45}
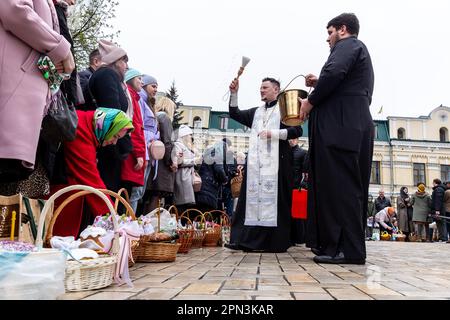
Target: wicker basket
{"x": 186, "y": 236}
{"x": 212, "y": 234}
{"x": 85, "y": 274}
{"x": 236, "y": 184}
{"x": 156, "y": 251}
{"x": 198, "y": 234}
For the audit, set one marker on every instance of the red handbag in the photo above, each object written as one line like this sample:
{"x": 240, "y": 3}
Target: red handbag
{"x": 299, "y": 204}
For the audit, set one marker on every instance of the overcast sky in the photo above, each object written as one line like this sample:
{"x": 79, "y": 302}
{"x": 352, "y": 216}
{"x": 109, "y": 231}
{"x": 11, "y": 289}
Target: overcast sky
{"x": 200, "y": 44}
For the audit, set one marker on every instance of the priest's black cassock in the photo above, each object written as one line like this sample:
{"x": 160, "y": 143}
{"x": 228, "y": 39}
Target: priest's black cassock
{"x": 268, "y": 239}
{"x": 341, "y": 133}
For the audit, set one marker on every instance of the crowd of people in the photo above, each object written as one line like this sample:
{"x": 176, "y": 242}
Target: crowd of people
{"x": 413, "y": 214}
{"x": 120, "y": 123}
{"x": 125, "y": 139}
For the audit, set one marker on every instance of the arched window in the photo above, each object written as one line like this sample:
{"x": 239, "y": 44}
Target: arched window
{"x": 443, "y": 134}
{"x": 197, "y": 122}
{"x": 401, "y": 133}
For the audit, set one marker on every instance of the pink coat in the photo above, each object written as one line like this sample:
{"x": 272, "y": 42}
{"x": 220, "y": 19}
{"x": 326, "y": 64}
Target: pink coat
{"x": 26, "y": 31}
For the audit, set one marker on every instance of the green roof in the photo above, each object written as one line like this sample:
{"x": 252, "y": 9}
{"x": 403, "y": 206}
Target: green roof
{"x": 382, "y": 126}
{"x": 215, "y": 118}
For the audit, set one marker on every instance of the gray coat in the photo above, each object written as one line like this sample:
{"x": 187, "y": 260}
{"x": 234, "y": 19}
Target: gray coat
{"x": 183, "y": 189}
{"x": 402, "y": 214}
{"x": 421, "y": 203}
{"x": 165, "y": 180}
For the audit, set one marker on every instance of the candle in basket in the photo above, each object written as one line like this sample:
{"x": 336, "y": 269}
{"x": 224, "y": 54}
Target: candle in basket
{"x": 13, "y": 224}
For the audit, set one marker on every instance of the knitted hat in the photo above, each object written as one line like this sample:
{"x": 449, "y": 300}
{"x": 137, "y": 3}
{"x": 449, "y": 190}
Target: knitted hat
{"x": 146, "y": 80}
{"x": 184, "y": 130}
{"x": 110, "y": 52}
{"x": 132, "y": 73}
{"x": 421, "y": 188}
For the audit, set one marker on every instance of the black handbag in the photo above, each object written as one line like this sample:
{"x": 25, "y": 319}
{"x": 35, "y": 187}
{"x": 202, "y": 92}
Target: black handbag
{"x": 60, "y": 123}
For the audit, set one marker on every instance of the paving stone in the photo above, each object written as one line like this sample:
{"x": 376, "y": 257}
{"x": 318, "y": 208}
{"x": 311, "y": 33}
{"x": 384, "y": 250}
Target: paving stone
{"x": 203, "y": 288}
{"x": 110, "y": 296}
{"x": 348, "y": 294}
{"x": 76, "y": 295}
{"x": 312, "y": 296}
{"x": 300, "y": 278}
{"x": 156, "y": 294}
{"x": 285, "y": 297}
{"x": 207, "y": 297}
{"x": 393, "y": 271}
{"x": 274, "y": 280}
{"x": 376, "y": 289}
{"x": 246, "y": 284}
{"x": 294, "y": 288}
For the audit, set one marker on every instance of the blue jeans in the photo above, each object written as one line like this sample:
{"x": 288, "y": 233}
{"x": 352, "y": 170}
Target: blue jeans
{"x": 138, "y": 192}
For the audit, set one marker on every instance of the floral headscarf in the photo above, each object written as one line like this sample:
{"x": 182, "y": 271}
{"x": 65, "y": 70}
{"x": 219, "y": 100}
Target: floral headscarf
{"x": 108, "y": 122}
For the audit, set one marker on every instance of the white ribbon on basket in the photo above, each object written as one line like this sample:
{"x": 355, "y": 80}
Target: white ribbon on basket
{"x": 127, "y": 235}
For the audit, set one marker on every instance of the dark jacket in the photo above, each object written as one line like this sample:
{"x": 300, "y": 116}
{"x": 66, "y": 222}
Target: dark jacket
{"x": 380, "y": 204}
{"x": 213, "y": 176}
{"x": 437, "y": 199}
{"x": 299, "y": 156}
{"x": 68, "y": 87}
{"x": 84, "y": 76}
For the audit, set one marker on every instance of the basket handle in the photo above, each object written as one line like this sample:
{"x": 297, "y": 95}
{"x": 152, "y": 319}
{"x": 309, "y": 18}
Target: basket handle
{"x": 123, "y": 200}
{"x": 189, "y": 222}
{"x": 199, "y": 214}
{"x": 121, "y": 193}
{"x": 225, "y": 220}
{"x": 49, "y": 204}
{"x": 174, "y": 208}
{"x": 77, "y": 195}
{"x": 221, "y": 212}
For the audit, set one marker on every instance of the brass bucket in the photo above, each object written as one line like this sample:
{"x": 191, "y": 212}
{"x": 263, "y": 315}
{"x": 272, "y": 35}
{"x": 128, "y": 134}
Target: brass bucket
{"x": 290, "y": 106}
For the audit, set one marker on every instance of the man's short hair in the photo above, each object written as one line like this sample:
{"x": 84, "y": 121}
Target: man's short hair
{"x": 273, "y": 81}
{"x": 95, "y": 54}
{"x": 345, "y": 19}
{"x": 437, "y": 181}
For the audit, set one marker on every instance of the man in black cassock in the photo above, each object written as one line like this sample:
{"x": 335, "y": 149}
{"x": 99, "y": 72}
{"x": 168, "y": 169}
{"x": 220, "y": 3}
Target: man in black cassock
{"x": 341, "y": 133}
{"x": 262, "y": 221}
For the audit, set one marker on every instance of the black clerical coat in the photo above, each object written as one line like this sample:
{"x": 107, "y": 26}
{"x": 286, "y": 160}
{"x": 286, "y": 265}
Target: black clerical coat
{"x": 268, "y": 239}
{"x": 341, "y": 133}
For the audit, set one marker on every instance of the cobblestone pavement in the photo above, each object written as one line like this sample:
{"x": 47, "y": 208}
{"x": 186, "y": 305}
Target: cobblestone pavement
{"x": 394, "y": 270}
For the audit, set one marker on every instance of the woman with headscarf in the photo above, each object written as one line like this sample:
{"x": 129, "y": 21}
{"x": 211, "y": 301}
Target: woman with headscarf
{"x": 403, "y": 206}
{"x": 421, "y": 204}
{"x": 96, "y": 129}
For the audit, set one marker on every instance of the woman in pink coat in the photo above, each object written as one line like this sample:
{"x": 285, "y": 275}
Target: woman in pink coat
{"x": 28, "y": 29}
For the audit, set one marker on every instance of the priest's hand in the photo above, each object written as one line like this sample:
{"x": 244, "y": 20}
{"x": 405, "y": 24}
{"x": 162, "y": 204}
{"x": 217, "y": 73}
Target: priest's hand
{"x": 234, "y": 86}
{"x": 310, "y": 80}
{"x": 265, "y": 134}
{"x": 305, "y": 109}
